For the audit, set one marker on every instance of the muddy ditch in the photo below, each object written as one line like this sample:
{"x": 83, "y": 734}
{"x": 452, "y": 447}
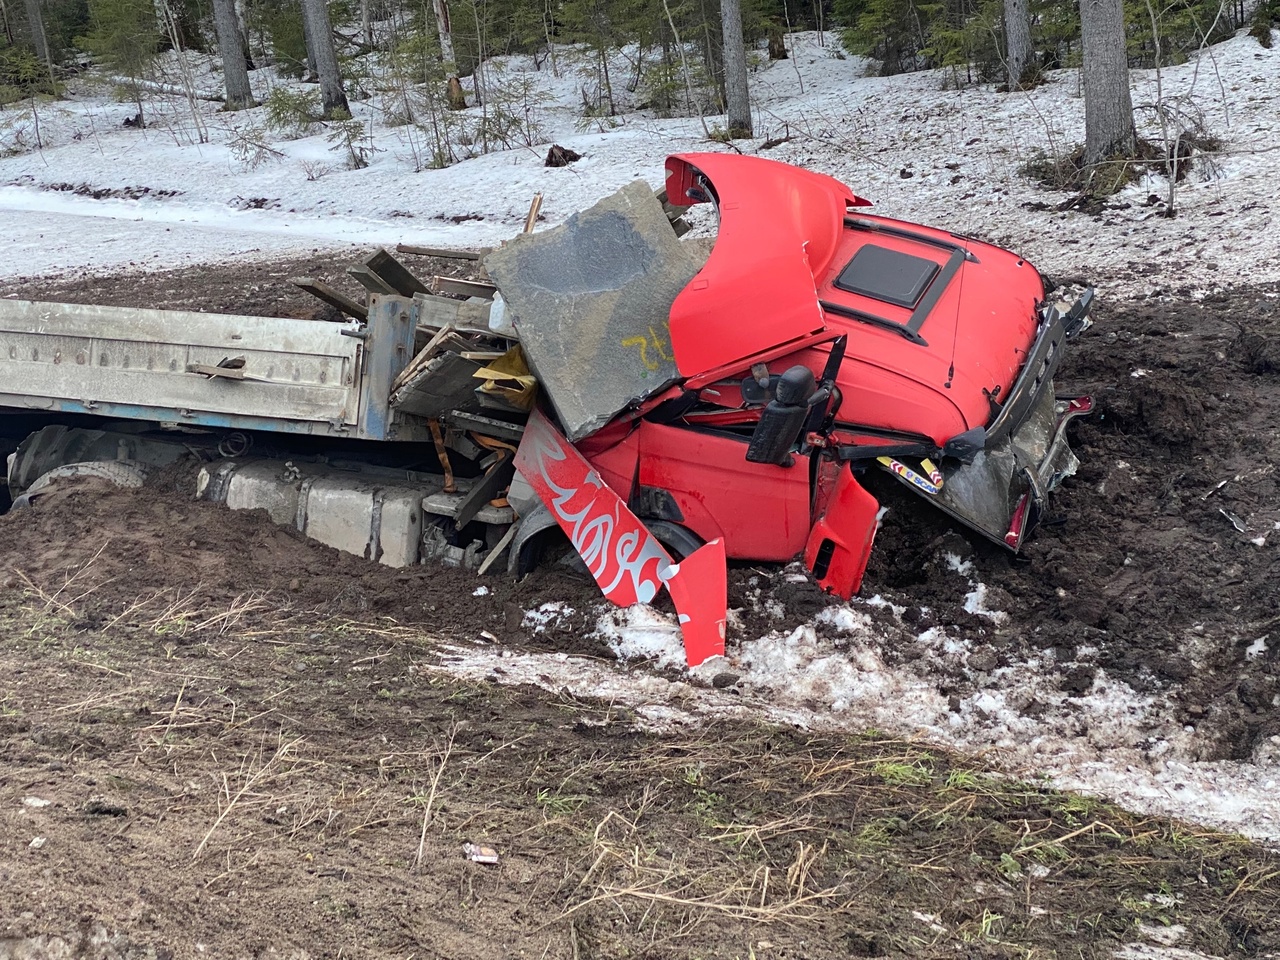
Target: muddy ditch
{"x": 163, "y": 653}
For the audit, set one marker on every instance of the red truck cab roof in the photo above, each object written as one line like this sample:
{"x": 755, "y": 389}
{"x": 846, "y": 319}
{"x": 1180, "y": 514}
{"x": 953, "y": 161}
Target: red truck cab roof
{"x": 938, "y": 325}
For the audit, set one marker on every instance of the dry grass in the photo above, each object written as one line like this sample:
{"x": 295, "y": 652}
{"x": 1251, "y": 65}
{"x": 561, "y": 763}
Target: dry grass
{"x": 262, "y": 746}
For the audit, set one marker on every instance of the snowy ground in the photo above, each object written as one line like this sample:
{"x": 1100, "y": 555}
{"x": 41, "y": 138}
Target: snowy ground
{"x": 1111, "y": 742}
{"x": 918, "y": 150}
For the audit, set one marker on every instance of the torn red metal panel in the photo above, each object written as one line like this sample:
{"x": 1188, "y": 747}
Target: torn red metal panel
{"x": 751, "y": 296}
{"x": 622, "y": 556}
{"x": 840, "y": 542}
{"x": 625, "y": 559}
{"x": 699, "y": 585}
{"x": 614, "y": 452}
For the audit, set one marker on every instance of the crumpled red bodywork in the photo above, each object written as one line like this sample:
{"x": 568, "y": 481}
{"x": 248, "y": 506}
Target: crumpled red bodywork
{"x": 818, "y": 342}
{"x": 782, "y": 243}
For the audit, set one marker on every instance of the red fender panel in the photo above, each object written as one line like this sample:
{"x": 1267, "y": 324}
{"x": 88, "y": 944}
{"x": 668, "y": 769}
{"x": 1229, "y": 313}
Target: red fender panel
{"x": 761, "y": 510}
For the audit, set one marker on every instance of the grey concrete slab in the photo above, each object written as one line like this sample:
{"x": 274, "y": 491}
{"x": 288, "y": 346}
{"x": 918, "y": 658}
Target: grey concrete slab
{"x": 590, "y": 301}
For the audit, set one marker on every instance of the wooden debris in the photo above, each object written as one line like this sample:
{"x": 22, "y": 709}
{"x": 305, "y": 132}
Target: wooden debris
{"x": 335, "y": 298}
{"x": 534, "y": 209}
{"x": 485, "y": 426}
{"x": 371, "y": 281}
{"x": 421, "y": 359}
{"x": 495, "y": 479}
{"x": 442, "y": 252}
{"x": 445, "y": 383}
{"x": 463, "y": 288}
{"x": 437, "y": 312}
{"x": 498, "y": 549}
{"x": 392, "y": 273}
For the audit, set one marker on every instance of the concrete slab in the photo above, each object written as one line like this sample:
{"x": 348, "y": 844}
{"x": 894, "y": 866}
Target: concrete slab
{"x": 590, "y": 300}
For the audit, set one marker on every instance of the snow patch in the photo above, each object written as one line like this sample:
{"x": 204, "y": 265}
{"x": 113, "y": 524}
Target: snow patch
{"x": 547, "y": 615}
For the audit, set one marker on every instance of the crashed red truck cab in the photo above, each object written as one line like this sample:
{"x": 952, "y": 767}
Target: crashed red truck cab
{"x": 817, "y": 342}
{"x": 668, "y": 403}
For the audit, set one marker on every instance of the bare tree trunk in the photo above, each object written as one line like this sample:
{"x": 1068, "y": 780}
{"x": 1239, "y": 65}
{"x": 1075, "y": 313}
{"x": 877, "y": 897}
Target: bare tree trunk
{"x": 453, "y": 86}
{"x": 441, "y": 9}
{"x": 242, "y": 24}
{"x": 320, "y": 46}
{"x": 231, "y": 48}
{"x": 1108, "y": 107}
{"x": 310, "y": 45}
{"x": 1017, "y": 34}
{"x": 38, "y": 40}
{"x": 735, "y": 70}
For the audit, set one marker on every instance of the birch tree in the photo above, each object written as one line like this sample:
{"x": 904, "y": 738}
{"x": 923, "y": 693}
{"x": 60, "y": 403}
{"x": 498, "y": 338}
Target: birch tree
{"x": 1017, "y": 34}
{"x": 231, "y": 46}
{"x": 1108, "y": 107}
{"x": 315, "y": 14}
{"x": 457, "y": 100}
{"x": 735, "y": 70}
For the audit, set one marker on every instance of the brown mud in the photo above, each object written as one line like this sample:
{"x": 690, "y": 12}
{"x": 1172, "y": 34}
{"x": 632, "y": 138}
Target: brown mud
{"x": 1139, "y": 569}
{"x": 1158, "y": 562}
{"x": 244, "y": 754}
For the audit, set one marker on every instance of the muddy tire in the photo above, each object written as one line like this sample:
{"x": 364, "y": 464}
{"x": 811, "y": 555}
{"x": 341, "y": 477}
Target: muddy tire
{"x": 122, "y": 473}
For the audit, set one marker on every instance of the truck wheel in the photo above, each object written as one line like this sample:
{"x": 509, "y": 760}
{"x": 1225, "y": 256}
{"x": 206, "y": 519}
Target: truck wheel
{"x": 679, "y": 541}
{"x": 123, "y": 473}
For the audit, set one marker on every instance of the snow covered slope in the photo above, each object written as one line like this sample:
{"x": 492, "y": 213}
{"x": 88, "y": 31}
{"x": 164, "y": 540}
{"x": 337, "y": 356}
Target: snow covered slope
{"x": 919, "y": 150}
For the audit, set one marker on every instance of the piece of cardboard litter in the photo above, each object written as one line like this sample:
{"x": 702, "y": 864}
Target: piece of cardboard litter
{"x": 479, "y": 853}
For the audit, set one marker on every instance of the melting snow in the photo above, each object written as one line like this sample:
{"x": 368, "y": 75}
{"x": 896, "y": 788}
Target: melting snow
{"x": 964, "y": 148}
{"x": 836, "y": 674}
{"x": 546, "y": 615}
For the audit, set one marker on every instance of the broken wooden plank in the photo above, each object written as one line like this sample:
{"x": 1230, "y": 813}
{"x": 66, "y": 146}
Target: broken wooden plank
{"x": 485, "y": 426}
{"x": 371, "y": 281}
{"x": 463, "y": 288}
{"x": 485, "y": 489}
{"x": 422, "y": 357}
{"x": 442, "y": 252}
{"x": 534, "y": 209}
{"x": 336, "y": 299}
{"x": 444, "y": 384}
{"x": 393, "y": 273}
{"x": 436, "y": 312}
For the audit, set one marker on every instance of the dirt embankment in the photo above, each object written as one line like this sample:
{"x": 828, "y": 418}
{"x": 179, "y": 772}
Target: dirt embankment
{"x": 1160, "y": 558}
{"x": 224, "y": 735}
{"x": 219, "y": 740}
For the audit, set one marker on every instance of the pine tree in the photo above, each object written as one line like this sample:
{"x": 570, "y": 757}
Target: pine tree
{"x": 735, "y": 70}
{"x": 315, "y": 15}
{"x": 231, "y": 47}
{"x": 125, "y": 35}
{"x": 40, "y": 43}
{"x": 1108, "y": 106}
{"x": 1017, "y": 36}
